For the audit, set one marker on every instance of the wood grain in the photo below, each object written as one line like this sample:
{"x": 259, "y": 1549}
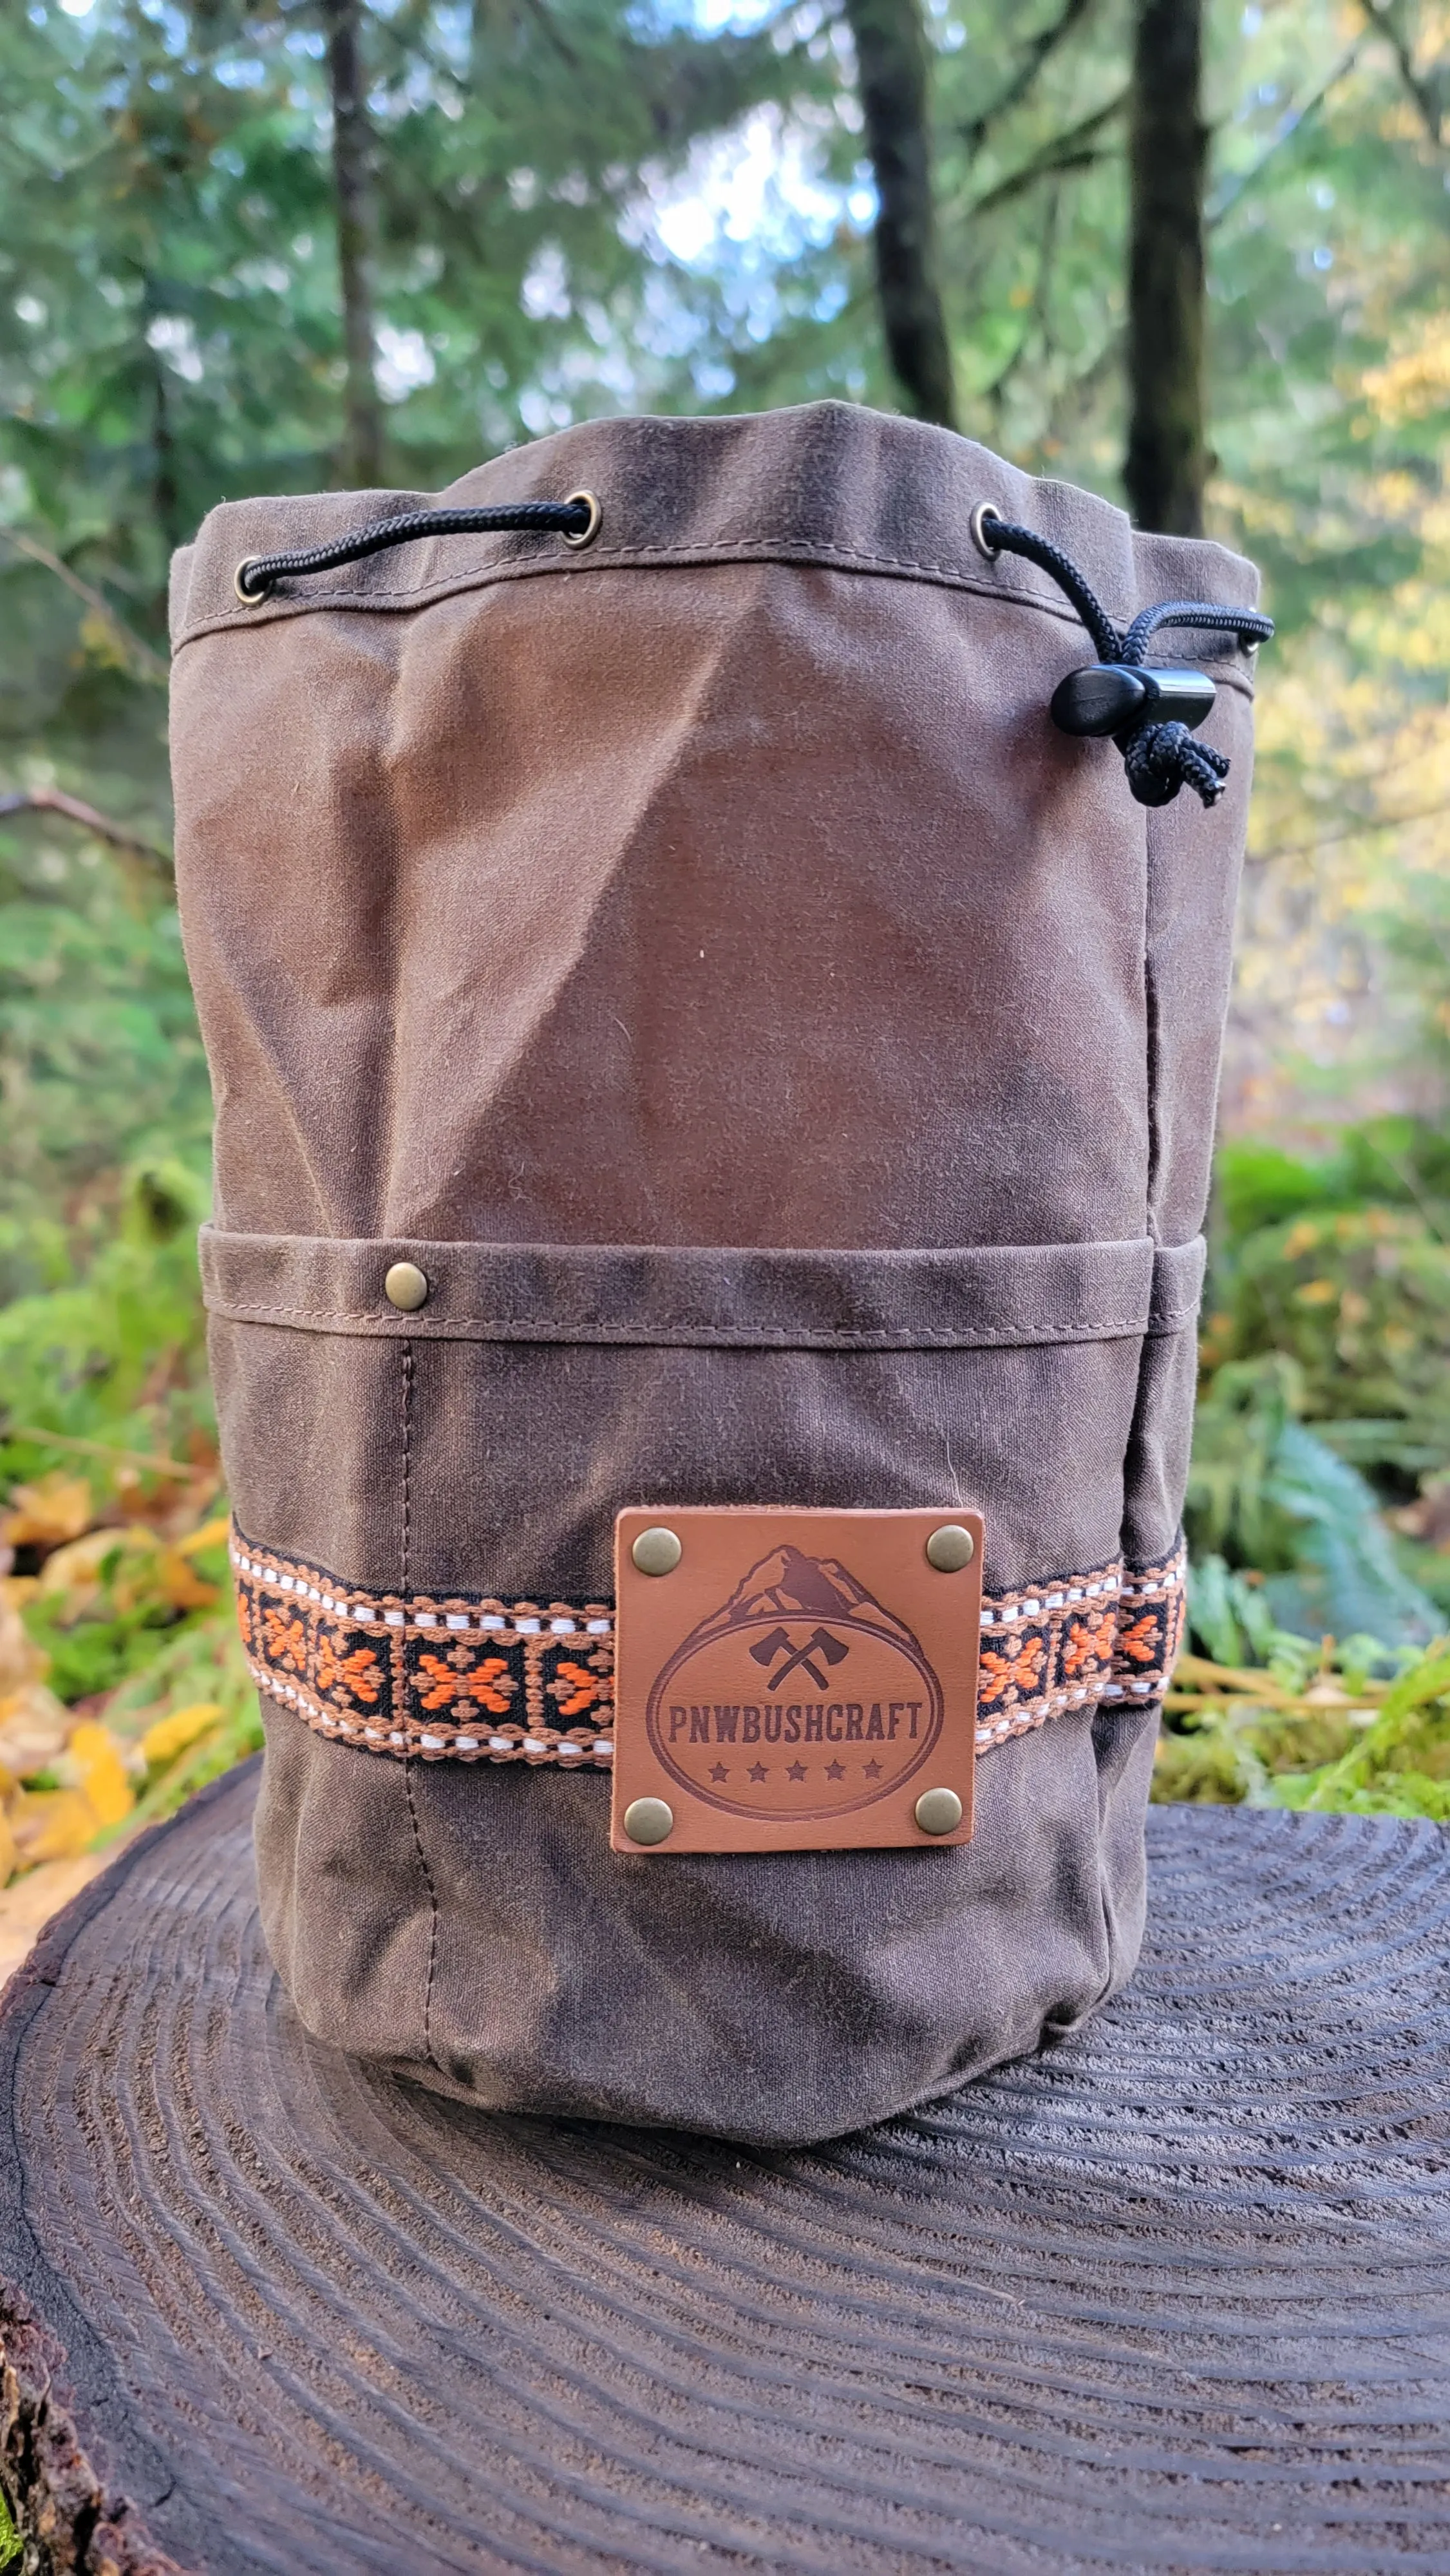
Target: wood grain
{"x": 1174, "y": 2296}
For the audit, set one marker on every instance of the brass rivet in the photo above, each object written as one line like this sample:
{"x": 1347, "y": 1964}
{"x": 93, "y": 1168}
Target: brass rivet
{"x": 657, "y": 1551}
{"x": 938, "y": 1811}
{"x": 590, "y": 531}
{"x": 405, "y": 1286}
{"x": 649, "y": 1820}
{"x": 950, "y": 1548}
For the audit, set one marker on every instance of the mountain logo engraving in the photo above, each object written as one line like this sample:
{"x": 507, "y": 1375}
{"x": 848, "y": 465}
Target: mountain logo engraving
{"x": 802, "y": 1697}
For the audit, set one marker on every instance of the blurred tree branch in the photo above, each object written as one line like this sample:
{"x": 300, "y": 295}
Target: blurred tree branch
{"x": 1429, "y": 89}
{"x": 1290, "y": 124}
{"x": 148, "y": 665}
{"x": 1072, "y": 150}
{"x": 1036, "y": 54}
{"x": 117, "y": 836}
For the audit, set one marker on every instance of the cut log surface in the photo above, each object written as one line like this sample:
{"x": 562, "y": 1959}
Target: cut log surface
{"x": 1173, "y": 2296}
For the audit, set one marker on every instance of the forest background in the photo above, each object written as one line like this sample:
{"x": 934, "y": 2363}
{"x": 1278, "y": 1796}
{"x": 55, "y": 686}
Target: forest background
{"x": 1190, "y": 253}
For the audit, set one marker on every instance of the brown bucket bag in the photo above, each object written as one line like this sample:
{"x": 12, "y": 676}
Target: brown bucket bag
{"x": 714, "y": 996}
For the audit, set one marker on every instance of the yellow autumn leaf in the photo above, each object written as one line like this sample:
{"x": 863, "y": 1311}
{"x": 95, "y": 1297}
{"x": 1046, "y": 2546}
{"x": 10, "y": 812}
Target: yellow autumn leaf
{"x": 27, "y": 1906}
{"x": 57, "y": 1507}
{"x": 34, "y": 1726}
{"x": 210, "y": 1534}
{"x": 98, "y": 1766}
{"x": 53, "y": 1824}
{"x": 21, "y": 1662}
{"x": 103, "y": 642}
{"x": 171, "y": 1735}
{"x": 180, "y": 1586}
{"x": 1414, "y": 383}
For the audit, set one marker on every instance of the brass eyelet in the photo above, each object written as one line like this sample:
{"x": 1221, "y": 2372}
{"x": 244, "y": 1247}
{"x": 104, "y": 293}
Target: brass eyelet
{"x": 587, "y": 535}
{"x": 248, "y": 598}
{"x": 981, "y": 516}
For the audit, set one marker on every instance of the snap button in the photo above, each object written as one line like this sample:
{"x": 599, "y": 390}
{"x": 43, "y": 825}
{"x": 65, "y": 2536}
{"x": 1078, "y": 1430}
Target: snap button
{"x": 938, "y": 1811}
{"x": 650, "y": 1820}
{"x": 656, "y": 1551}
{"x": 950, "y": 1548}
{"x": 405, "y": 1286}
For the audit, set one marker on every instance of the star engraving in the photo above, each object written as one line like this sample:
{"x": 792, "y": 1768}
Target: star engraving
{"x": 795, "y": 1771}
{"x": 835, "y": 1770}
{"x": 872, "y": 1770}
{"x": 757, "y": 1771}
{"x": 720, "y": 1771}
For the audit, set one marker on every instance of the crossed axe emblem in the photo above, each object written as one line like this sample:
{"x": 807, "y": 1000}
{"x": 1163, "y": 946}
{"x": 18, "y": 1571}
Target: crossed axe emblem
{"x": 820, "y": 1643}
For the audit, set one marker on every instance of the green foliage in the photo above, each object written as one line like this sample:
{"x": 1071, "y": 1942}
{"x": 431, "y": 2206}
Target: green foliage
{"x": 1264, "y": 1493}
{"x": 1360, "y": 1299}
{"x": 1258, "y": 1184}
{"x": 101, "y": 1066}
{"x": 1342, "y": 1738}
{"x": 113, "y": 1352}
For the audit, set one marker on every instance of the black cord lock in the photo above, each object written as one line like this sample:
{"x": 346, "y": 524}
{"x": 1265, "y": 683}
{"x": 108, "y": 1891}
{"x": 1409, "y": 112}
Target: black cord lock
{"x": 1152, "y": 715}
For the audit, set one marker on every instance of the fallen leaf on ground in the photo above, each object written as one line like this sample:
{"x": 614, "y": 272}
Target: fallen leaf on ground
{"x": 171, "y": 1735}
{"x": 75, "y": 1570}
{"x": 34, "y": 1730}
{"x": 45, "y": 1514}
{"x": 52, "y": 1824}
{"x": 211, "y": 1534}
{"x": 96, "y": 1763}
{"x": 20, "y": 1660}
{"x": 27, "y": 1906}
{"x": 176, "y": 1583}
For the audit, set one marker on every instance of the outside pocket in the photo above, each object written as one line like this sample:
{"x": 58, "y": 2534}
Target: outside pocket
{"x": 485, "y": 1442}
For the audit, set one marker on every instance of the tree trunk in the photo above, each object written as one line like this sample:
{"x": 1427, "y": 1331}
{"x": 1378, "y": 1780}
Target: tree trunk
{"x": 1167, "y": 159}
{"x": 352, "y": 172}
{"x": 892, "y": 63}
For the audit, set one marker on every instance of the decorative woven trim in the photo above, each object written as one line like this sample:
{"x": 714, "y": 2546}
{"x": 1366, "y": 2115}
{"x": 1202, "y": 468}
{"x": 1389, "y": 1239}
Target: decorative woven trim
{"x": 1081, "y": 1640}
{"x": 474, "y": 1680}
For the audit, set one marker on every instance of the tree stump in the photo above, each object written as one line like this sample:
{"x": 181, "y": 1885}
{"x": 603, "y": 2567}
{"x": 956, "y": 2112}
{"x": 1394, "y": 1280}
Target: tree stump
{"x": 1170, "y": 2296}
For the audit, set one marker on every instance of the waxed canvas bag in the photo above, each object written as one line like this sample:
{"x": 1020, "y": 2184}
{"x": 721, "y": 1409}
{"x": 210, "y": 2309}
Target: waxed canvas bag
{"x": 693, "y": 1029}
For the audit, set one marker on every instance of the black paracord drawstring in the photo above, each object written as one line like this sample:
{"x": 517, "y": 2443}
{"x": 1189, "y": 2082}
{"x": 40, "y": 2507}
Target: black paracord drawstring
{"x": 576, "y": 520}
{"x": 1149, "y": 713}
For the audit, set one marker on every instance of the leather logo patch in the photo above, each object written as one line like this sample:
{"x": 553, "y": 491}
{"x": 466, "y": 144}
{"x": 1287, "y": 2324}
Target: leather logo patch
{"x": 794, "y": 1680}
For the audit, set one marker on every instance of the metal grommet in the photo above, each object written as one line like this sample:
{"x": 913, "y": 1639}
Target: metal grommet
{"x": 981, "y": 516}
{"x": 587, "y": 535}
{"x": 406, "y": 1287}
{"x": 649, "y": 1820}
{"x": 248, "y": 598}
{"x": 938, "y": 1811}
{"x": 657, "y": 1551}
{"x": 950, "y": 1548}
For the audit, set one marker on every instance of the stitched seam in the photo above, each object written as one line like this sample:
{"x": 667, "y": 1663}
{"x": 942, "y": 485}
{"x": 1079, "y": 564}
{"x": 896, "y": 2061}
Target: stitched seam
{"x": 744, "y": 1337}
{"x": 759, "y": 550}
{"x": 399, "y": 1651}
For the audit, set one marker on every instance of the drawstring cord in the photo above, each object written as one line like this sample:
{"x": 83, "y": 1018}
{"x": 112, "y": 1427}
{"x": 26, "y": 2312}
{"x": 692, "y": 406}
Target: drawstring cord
{"x": 577, "y": 520}
{"x": 1151, "y": 714}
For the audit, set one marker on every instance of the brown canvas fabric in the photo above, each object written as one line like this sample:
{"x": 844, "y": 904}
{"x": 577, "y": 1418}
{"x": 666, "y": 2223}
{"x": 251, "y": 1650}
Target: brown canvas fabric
{"x": 792, "y": 1063}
